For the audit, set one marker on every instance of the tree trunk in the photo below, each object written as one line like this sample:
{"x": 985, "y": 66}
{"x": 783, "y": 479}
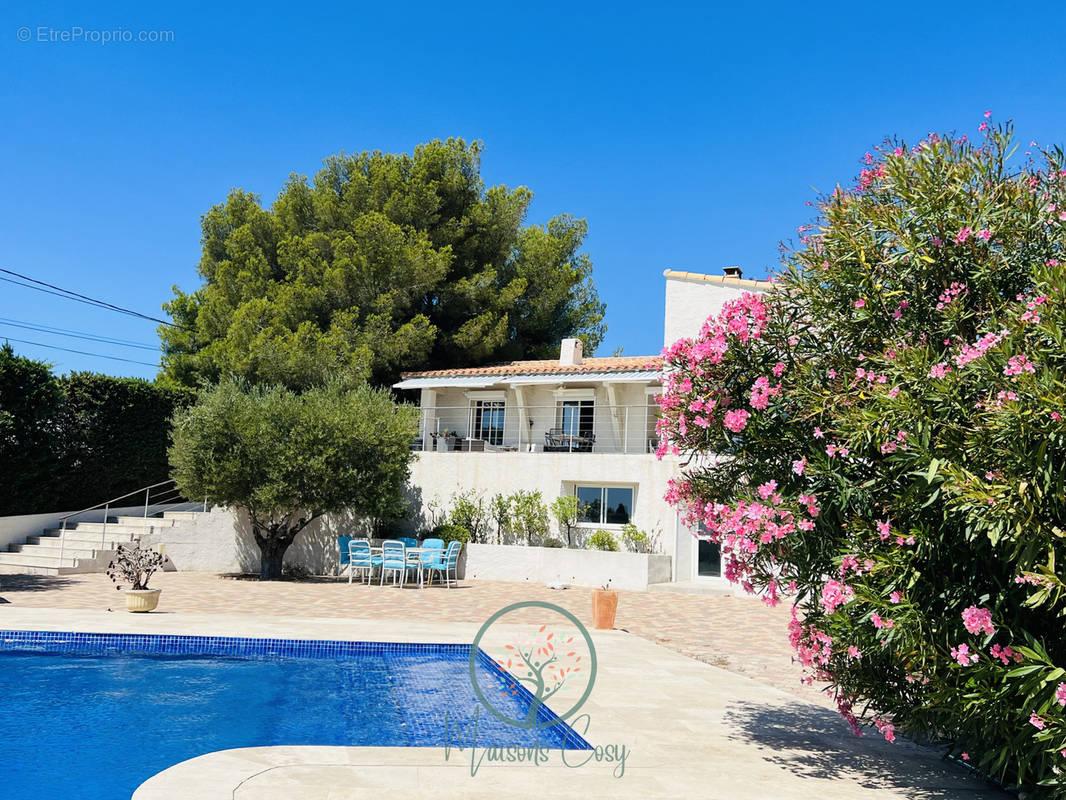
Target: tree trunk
{"x": 272, "y": 555}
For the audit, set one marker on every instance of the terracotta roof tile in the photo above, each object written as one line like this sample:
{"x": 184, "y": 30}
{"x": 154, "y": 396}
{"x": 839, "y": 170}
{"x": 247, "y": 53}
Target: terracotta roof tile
{"x": 551, "y": 367}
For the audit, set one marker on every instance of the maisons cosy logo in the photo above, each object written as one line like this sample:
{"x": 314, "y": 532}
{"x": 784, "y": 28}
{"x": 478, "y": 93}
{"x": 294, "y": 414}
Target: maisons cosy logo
{"x": 535, "y": 652}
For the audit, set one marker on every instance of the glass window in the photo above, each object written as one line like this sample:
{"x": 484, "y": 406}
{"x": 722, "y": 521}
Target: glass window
{"x": 488, "y": 421}
{"x": 605, "y": 505}
{"x": 575, "y": 417}
{"x": 709, "y": 561}
{"x": 590, "y": 503}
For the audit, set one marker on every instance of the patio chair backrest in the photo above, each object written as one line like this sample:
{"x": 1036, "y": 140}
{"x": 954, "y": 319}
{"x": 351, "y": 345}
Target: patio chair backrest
{"x": 451, "y": 558}
{"x": 431, "y": 550}
{"x": 408, "y": 541}
{"x": 342, "y": 543}
{"x": 393, "y": 554}
{"x": 359, "y": 552}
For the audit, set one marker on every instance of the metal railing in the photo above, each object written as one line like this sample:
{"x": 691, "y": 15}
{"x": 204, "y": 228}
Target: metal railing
{"x": 561, "y": 428}
{"x": 157, "y": 497}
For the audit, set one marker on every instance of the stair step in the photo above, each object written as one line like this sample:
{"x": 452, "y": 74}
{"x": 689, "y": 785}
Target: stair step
{"x": 98, "y": 527}
{"x": 83, "y": 542}
{"x": 111, "y": 534}
{"x": 181, "y": 515}
{"x": 71, "y": 551}
{"x": 145, "y": 522}
{"x": 35, "y": 560}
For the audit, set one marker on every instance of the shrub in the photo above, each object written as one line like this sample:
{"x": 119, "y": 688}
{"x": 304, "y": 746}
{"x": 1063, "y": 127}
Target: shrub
{"x": 500, "y": 511}
{"x": 529, "y": 515}
{"x": 552, "y": 542}
{"x": 451, "y": 533}
{"x": 134, "y": 565}
{"x": 894, "y": 451}
{"x": 603, "y": 540}
{"x": 469, "y": 511}
{"x": 567, "y": 513}
{"x": 636, "y": 539}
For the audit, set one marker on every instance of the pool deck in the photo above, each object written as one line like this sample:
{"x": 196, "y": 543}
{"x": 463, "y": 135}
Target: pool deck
{"x": 690, "y": 729}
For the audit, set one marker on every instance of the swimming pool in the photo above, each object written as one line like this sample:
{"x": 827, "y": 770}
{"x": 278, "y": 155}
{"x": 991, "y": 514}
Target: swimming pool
{"x": 71, "y": 700}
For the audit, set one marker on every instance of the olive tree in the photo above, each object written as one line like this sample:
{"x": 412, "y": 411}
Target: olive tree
{"x": 286, "y": 458}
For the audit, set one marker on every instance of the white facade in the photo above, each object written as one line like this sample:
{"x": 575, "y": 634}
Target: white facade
{"x": 568, "y": 427}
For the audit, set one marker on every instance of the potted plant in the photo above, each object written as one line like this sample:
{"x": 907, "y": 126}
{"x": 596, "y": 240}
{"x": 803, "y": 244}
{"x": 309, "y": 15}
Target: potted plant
{"x": 604, "y": 606}
{"x": 134, "y": 565}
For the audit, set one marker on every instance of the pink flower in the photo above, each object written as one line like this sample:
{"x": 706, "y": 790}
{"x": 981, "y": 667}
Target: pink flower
{"x": 799, "y": 466}
{"x": 779, "y": 368}
{"x": 984, "y": 234}
{"x": 978, "y": 619}
{"x": 963, "y": 234}
{"x": 884, "y": 529}
{"x": 860, "y": 304}
{"x": 736, "y": 420}
{"x": 818, "y": 433}
{"x": 939, "y": 370}
{"x": 1005, "y": 654}
{"x": 886, "y": 729}
{"x": 1036, "y": 721}
{"x": 834, "y": 594}
{"x": 965, "y": 756}
{"x": 988, "y": 114}
{"x": 963, "y": 655}
{"x": 1060, "y": 694}
{"x": 854, "y": 652}
{"x": 767, "y": 489}
{"x": 895, "y": 597}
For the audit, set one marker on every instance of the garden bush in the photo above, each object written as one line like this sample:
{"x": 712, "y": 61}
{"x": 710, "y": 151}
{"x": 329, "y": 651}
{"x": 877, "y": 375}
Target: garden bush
{"x": 636, "y": 540}
{"x": 552, "y": 542}
{"x": 603, "y": 540}
{"x": 451, "y": 533}
{"x": 892, "y": 451}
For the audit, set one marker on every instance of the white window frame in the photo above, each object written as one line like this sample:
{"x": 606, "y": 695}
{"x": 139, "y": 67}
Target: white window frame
{"x": 603, "y": 487}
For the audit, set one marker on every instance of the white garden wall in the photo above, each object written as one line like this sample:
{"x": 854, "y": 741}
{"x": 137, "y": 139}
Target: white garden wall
{"x": 544, "y": 565}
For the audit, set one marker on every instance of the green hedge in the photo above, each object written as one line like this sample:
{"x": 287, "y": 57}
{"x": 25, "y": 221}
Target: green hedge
{"x": 71, "y": 442}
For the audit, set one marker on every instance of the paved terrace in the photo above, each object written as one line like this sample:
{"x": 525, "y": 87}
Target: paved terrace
{"x": 736, "y": 633}
{"x": 694, "y": 730}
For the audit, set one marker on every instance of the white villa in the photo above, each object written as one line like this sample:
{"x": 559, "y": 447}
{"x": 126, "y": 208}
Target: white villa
{"x": 576, "y": 425}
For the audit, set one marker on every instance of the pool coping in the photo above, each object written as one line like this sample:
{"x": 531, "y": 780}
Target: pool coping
{"x": 689, "y": 729}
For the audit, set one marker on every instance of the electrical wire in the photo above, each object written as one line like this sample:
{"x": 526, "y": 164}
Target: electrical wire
{"x": 81, "y": 298}
{"x": 80, "y": 352}
{"x": 92, "y": 337}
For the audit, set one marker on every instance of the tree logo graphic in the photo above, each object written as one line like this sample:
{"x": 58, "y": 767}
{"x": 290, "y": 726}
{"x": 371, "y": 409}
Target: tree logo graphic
{"x": 536, "y": 652}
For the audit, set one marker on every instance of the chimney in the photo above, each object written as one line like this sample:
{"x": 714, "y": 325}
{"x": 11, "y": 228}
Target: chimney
{"x": 570, "y": 353}
{"x": 733, "y": 272}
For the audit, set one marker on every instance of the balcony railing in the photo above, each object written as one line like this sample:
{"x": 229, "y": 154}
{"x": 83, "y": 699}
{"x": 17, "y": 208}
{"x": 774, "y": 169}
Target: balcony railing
{"x": 563, "y": 428}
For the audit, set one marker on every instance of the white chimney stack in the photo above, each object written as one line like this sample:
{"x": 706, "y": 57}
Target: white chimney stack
{"x": 570, "y": 353}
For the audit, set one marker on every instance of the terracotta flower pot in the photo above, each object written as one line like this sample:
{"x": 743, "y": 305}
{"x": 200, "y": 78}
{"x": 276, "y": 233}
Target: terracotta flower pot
{"x": 604, "y": 606}
{"x": 140, "y": 600}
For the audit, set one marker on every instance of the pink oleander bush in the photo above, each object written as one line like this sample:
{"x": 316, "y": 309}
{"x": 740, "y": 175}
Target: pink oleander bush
{"x": 880, "y": 441}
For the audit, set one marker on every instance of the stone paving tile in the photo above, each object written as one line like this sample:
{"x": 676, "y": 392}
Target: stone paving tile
{"x": 736, "y": 633}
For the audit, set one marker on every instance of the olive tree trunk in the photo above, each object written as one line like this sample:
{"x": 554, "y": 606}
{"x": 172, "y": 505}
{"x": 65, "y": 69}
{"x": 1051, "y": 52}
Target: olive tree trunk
{"x": 273, "y": 540}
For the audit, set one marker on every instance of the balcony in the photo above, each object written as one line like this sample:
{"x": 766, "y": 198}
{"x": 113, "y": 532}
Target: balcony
{"x": 568, "y": 427}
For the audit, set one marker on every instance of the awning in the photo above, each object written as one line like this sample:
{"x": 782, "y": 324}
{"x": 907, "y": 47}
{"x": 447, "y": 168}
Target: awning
{"x": 582, "y": 377}
{"x": 443, "y": 381}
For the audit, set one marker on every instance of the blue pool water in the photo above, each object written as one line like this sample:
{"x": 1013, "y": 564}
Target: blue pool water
{"x": 70, "y": 702}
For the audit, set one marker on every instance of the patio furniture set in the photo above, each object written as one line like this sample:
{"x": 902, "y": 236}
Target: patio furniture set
{"x": 400, "y": 558}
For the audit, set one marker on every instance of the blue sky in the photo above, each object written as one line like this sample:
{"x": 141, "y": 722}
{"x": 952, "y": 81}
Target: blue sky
{"x": 689, "y": 136}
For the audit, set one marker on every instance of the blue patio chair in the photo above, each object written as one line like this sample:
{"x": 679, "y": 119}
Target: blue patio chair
{"x": 360, "y": 558}
{"x": 429, "y": 554}
{"x": 393, "y": 559}
{"x": 345, "y": 559}
{"x": 408, "y": 541}
{"x": 447, "y": 562}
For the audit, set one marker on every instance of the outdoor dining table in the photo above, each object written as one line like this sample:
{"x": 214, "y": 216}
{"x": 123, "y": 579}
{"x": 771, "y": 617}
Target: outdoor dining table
{"x": 377, "y": 550}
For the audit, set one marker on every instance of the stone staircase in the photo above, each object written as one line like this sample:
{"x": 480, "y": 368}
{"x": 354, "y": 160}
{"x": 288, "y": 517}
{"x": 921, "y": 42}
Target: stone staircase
{"x": 85, "y": 547}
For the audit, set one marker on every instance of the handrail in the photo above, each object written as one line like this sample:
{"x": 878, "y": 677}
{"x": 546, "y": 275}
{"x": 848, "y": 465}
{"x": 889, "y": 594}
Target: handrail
{"x": 113, "y": 499}
{"x": 168, "y": 494}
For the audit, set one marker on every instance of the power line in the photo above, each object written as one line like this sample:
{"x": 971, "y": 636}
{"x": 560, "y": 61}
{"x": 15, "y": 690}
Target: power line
{"x": 80, "y": 352}
{"x": 92, "y": 337}
{"x": 81, "y": 298}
